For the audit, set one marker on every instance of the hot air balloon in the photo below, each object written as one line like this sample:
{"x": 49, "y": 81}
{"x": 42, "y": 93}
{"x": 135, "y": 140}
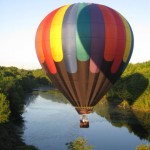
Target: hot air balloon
{"x": 84, "y": 48}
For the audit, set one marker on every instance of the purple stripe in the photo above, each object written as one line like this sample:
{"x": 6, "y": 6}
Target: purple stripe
{"x": 69, "y": 38}
{"x": 97, "y": 38}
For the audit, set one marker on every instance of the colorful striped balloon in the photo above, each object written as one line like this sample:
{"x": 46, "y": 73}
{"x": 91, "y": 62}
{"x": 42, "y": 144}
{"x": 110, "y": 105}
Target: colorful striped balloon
{"x": 84, "y": 48}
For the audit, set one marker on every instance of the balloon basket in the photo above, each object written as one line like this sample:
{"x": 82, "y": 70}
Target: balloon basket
{"x": 84, "y": 122}
{"x": 83, "y": 111}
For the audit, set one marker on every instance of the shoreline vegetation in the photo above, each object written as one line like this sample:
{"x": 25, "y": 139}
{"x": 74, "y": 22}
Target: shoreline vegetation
{"x": 131, "y": 91}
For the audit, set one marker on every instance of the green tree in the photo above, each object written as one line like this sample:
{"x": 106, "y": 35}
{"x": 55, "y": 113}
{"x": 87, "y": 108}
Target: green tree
{"x": 143, "y": 147}
{"x": 4, "y": 109}
{"x": 80, "y": 143}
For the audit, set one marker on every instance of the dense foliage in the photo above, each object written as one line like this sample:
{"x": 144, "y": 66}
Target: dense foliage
{"x": 14, "y": 84}
{"x": 143, "y": 147}
{"x": 137, "y": 123}
{"x": 133, "y": 88}
{"x": 79, "y": 143}
{"x": 4, "y": 108}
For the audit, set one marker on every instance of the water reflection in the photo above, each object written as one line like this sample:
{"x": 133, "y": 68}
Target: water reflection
{"x": 136, "y": 122}
{"x": 80, "y": 143}
{"x": 53, "y": 95}
{"x": 50, "y": 122}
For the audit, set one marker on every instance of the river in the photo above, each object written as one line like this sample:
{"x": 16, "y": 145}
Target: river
{"x": 51, "y": 122}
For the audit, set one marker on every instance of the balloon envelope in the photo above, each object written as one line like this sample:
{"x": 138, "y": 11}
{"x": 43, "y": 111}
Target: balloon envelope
{"x": 84, "y": 48}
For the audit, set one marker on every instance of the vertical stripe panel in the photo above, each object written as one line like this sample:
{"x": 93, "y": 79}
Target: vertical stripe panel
{"x": 83, "y": 32}
{"x": 121, "y": 42}
{"x": 56, "y": 34}
{"x": 69, "y": 38}
{"x": 97, "y": 38}
{"x": 128, "y": 39}
{"x": 131, "y": 49}
{"x": 46, "y": 42}
{"x": 132, "y": 44}
{"x": 38, "y": 43}
{"x": 110, "y": 33}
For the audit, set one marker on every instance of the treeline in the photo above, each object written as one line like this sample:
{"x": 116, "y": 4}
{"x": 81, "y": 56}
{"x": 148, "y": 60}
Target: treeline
{"x": 133, "y": 88}
{"x": 131, "y": 91}
{"x": 14, "y": 84}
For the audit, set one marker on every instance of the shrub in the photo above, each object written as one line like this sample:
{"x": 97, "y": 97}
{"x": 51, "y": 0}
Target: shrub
{"x": 4, "y": 109}
{"x": 79, "y": 143}
{"x": 143, "y": 147}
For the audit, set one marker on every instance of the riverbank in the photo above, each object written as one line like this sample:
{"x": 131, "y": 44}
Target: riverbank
{"x": 136, "y": 122}
{"x": 14, "y": 85}
{"x": 10, "y": 138}
{"x": 58, "y": 123}
{"x": 132, "y": 90}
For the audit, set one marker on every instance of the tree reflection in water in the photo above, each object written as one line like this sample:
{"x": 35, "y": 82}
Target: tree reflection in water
{"x": 136, "y": 122}
{"x": 80, "y": 143}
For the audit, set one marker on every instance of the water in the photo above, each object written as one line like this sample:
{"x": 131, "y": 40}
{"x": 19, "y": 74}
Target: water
{"x": 50, "y": 124}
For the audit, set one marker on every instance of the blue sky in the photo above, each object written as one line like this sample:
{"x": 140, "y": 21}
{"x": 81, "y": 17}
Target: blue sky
{"x": 19, "y": 20}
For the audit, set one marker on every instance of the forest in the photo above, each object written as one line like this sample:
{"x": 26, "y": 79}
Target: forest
{"x": 14, "y": 85}
{"x": 131, "y": 91}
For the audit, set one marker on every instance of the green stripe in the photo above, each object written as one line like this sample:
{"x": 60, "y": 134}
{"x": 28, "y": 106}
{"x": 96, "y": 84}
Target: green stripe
{"x": 83, "y": 32}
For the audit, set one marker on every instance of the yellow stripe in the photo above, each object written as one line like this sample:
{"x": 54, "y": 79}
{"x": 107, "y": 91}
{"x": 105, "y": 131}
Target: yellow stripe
{"x": 56, "y": 34}
{"x": 128, "y": 39}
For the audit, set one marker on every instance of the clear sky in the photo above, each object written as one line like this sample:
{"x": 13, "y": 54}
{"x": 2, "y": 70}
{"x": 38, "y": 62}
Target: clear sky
{"x": 19, "y": 20}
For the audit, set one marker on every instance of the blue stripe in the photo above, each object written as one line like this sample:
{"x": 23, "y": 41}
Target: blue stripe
{"x": 132, "y": 44}
{"x": 69, "y": 38}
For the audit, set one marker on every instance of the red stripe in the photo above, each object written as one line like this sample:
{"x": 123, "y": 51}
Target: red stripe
{"x": 110, "y": 33}
{"x": 121, "y": 42}
{"x": 46, "y": 42}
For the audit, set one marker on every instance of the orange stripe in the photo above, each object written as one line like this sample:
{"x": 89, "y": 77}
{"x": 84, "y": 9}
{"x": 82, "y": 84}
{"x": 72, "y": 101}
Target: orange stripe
{"x": 38, "y": 43}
